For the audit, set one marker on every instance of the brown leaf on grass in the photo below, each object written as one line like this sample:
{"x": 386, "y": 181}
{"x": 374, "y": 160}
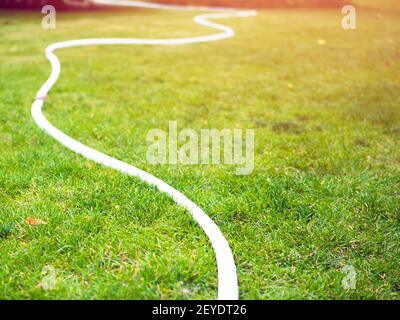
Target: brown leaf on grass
{"x": 34, "y": 222}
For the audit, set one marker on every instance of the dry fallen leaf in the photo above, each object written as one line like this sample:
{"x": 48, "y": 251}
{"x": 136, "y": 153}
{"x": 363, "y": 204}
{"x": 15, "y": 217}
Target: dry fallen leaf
{"x": 34, "y": 222}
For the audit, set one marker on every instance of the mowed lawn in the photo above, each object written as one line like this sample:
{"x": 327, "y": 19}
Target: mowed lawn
{"x": 324, "y": 193}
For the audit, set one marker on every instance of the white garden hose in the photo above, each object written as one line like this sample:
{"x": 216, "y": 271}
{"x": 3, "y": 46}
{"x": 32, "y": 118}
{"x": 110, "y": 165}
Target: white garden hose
{"x": 227, "y": 277}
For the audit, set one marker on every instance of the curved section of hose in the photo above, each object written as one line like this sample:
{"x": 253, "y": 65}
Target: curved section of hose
{"x": 227, "y": 277}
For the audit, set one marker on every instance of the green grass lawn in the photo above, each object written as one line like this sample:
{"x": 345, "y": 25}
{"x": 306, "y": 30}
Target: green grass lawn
{"x": 324, "y": 192}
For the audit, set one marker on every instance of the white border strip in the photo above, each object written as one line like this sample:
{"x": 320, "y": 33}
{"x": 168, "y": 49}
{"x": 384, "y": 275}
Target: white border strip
{"x": 227, "y": 277}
